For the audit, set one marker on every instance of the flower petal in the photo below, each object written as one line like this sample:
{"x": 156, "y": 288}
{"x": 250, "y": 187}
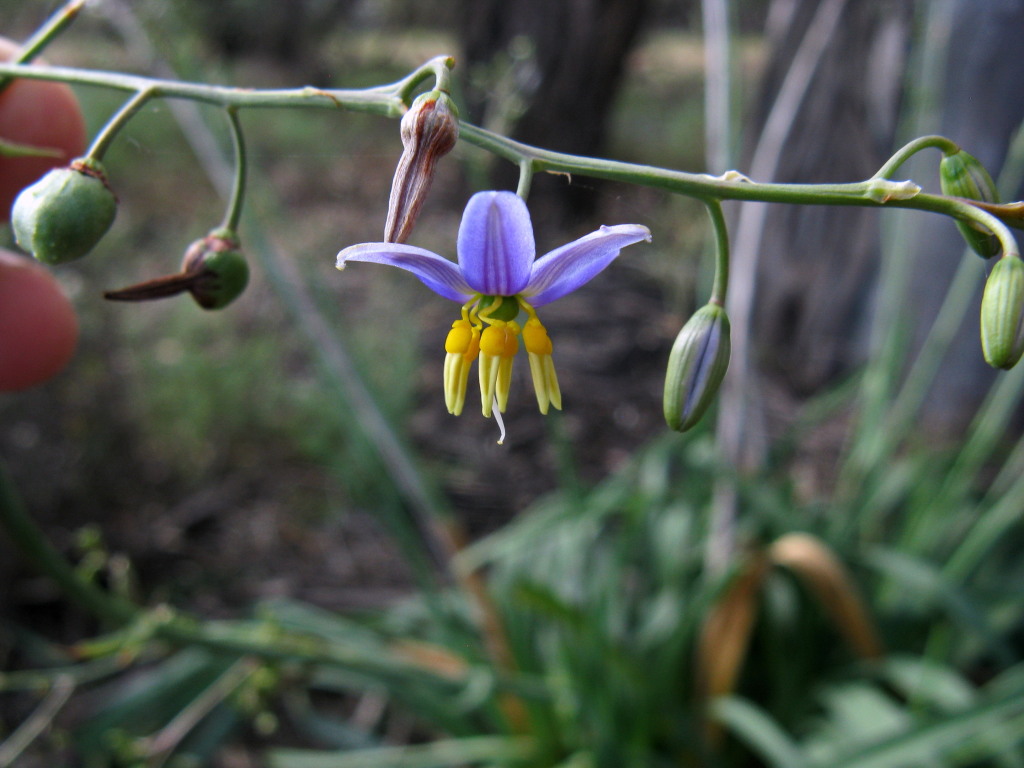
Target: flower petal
{"x": 496, "y": 247}
{"x": 438, "y": 273}
{"x": 565, "y": 269}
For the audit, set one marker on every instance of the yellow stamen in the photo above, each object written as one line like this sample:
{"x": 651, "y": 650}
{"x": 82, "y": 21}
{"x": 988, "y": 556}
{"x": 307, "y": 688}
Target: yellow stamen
{"x": 462, "y": 347}
{"x": 542, "y": 367}
{"x": 535, "y": 337}
{"x": 498, "y": 345}
{"x": 496, "y": 341}
{"x": 458, "y": 337}
{"x": 508, "y": 354}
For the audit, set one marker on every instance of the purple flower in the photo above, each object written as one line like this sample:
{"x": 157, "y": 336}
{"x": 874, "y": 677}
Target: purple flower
{"x": 497, "y": 276}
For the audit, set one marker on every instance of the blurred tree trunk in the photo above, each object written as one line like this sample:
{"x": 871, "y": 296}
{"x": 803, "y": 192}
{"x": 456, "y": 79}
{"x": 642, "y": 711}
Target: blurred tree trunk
{"x": 818, "y": 266}
{"x": 549, "y": 71}
{"x": 287, "y": 32}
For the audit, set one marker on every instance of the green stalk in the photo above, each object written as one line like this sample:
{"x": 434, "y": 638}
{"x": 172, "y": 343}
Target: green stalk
{"x": 45, "y": 35}
{"x": 525, "y": 178}
{"x": 388, "y": 101}
{"x": 234, "y": 210}
{"x": 910, "y": 149}
{"x": 383, "y": 100}
{"x": 128, "y": 110}
{"x": 721, "y": 282}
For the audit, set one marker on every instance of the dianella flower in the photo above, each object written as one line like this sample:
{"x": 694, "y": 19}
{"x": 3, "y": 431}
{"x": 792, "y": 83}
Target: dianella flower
{"x": 496, "y": 279}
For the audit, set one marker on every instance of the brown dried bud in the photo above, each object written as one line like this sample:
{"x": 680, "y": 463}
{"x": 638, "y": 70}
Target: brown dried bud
{"x": 429, "y": 131}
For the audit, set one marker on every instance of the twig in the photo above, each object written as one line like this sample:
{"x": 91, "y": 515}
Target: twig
{"x": 38, "y": 721}
{"x": 161, "y": 745}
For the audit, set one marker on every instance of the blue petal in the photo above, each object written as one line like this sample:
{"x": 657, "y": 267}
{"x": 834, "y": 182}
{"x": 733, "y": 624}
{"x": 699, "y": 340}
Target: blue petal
{"x": 438, "y": 273}
{"x": 565, "y": 269}
{"x": 496, "y": 247}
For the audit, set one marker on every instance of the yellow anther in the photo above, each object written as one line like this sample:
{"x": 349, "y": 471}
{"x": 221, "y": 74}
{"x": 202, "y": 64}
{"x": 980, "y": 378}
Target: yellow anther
{"x": 499, "y": 340}
{"x": 474, "y": 347}
{"x": 535, "y": 337}
{"x": 498, "y": 346}
{"x": 462, "y": 347}
{"x": 542, "y": 367}
{"x": 496, "y": 341}
{"x": 459, "y": 338}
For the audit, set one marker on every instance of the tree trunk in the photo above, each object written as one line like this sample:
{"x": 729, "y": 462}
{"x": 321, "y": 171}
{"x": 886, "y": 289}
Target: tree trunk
{"x": 552, "y": 70}
{"x": 818, "y": 266}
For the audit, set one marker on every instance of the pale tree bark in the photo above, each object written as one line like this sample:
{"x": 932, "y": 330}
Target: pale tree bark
{"x": 817, "y": 267}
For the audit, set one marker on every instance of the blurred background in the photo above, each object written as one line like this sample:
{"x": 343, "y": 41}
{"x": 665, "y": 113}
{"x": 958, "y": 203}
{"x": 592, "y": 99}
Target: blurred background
{"x": 179, "y": 432}
{"x": 220, "y": 459}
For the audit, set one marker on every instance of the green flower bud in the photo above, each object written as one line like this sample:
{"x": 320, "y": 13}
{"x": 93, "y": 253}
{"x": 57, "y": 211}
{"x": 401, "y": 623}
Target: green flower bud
{"x": 64, "y": 214}
{"x": 429, "y": 131}
{"x": 1002, "y": 309}
{"x": 961, "y": 175}
{"x": 696, "y": 367}
{"x": 219, "y": 269}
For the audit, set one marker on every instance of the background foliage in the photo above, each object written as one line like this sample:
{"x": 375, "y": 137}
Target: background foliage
{"x": 870, "y": 616}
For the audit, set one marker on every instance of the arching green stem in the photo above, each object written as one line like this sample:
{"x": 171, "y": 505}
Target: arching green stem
{"x": 905, "y": 152}
{"x": 381, "y": 100}
{"x": 440, "y": 68}
{"x": 965, "y": 211}
{"x": 391, "y": 101}
{"x": 721, "y": 282}
{"x": 234, "y": 211}
{"x": 117, "y": 122}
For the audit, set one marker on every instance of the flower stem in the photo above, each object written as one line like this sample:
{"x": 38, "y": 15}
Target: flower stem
{"x": 117, "y": 122}
{"x": 45, "y": 35}
{"x": 382, "y": 100}
{"x": 439, "y": 67}
{"x": 391, "y": 101}
{"x": 905, "y": 152}
{"x": 721, "y": 282}
{"x": 234, "y": 211}
{"x": 525, "y": 178}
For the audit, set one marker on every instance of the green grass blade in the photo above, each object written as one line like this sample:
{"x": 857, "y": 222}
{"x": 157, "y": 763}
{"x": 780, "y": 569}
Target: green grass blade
{"x": 499, "y": 750}
{"x": 955, "y": 732}
{"x": 759, "y": 731}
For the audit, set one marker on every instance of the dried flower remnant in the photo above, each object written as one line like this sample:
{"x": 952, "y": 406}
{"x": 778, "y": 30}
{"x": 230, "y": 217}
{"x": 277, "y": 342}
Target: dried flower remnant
{"x": 429, "y": 131}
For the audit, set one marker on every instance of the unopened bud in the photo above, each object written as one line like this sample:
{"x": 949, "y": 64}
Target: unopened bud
{"x": 961, "y": 175}
{"x": 213, "y": 270}
{"x": 429, "y": 131}
{"x": 1002, "y": 309}
{"x": 696, "y": 367}
{"x": 63, "y": 215}
{"x": 221, "y": 272}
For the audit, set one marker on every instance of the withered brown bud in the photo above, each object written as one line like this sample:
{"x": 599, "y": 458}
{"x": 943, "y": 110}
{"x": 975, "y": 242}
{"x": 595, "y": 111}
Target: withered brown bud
{"x": 429, "y": 131}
